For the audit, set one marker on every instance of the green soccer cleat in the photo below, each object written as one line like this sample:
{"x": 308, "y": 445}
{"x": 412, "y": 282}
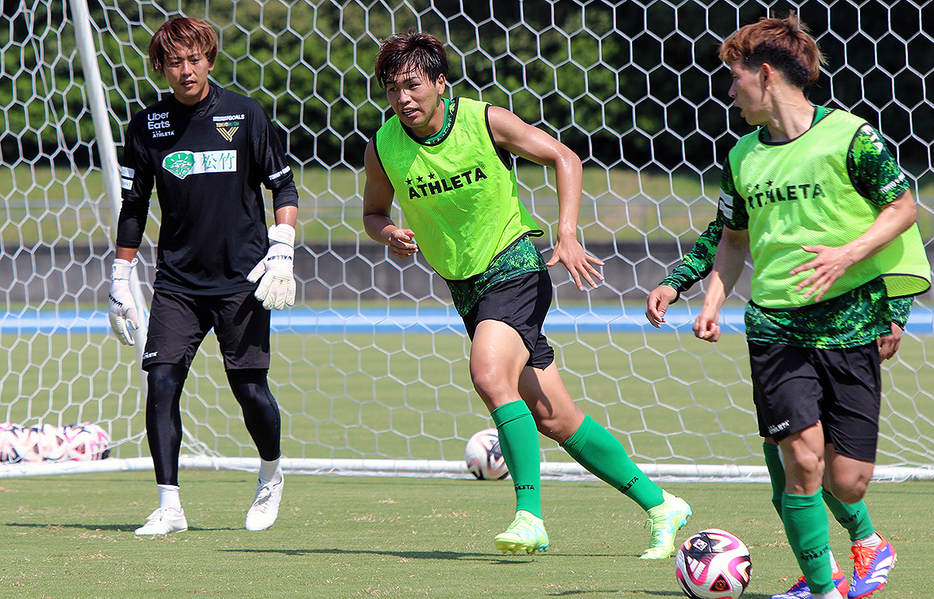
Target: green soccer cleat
{"x": 526, "y": 533}
{"x": 666, "y": 519}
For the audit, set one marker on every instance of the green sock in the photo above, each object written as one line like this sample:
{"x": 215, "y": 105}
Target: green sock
{"x": 853, "y": 517}
{"x": 773, "y": 461}
{"x": 518, "y": 440}
{"x": 809, "y": 535}
{"x": 603, "y": 455}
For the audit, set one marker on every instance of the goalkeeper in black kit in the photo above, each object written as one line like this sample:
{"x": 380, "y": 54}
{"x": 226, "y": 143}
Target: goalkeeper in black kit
{"x": 208, "y": 151}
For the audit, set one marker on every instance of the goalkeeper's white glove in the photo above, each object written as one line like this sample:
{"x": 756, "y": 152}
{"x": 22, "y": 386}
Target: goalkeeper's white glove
{"x": 274, "y": 272}
{"x": 123, "y": 314}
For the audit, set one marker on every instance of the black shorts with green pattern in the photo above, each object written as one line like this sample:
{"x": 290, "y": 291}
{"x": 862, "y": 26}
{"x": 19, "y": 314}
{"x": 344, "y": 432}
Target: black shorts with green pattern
{"x": 519, "y": 258}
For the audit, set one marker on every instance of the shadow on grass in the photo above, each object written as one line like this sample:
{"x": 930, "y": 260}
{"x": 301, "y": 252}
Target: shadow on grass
{"x": 445, "y": 555}
{"x": 442, "y": 555}
{"x": 107, "y": 527}
{"x": 575, "y": 592}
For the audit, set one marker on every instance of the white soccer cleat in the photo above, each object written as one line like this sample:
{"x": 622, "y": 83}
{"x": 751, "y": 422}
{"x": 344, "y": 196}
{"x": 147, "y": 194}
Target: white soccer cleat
{"x": 164, "y": 521}
{"x": 265, "y": 509}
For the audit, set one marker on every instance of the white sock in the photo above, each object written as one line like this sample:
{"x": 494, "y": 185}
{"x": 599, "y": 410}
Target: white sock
{"x": 872, "y": 541}
{"x": 269, "y": 471}
{"x": 168, "y": 497}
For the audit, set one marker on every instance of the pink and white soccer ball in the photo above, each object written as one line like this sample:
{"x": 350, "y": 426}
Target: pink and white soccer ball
{"x": 27, "y": 441}
{"x": 53, "y": 444}
{"x": 87, "y": 441}
{"x": 8, "y": 437}
{"x": 713, "y": 564}
{"x": 483, "y": 456}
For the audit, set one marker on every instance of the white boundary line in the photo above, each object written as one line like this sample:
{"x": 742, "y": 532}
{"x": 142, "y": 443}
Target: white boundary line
{"x": 570, "y": 471}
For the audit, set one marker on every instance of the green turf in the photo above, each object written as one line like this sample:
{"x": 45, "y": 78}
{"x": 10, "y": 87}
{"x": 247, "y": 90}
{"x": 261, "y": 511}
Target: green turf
{"x": 340, "y": 537}
{"x": 48, "y": 205}
{"x": 668, "y": 397}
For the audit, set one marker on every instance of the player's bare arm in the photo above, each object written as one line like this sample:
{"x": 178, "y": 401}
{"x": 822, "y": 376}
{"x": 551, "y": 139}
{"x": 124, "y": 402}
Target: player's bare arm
{"x": 830, "y": 263}
{"x": 656, "y": 304}
{"x": 128, "y": 254}
{"x": 727, "y": 267}
{"x": 287, "y": 215}
{"x": 377, "y": 203}
{"x": 518, "y": 137}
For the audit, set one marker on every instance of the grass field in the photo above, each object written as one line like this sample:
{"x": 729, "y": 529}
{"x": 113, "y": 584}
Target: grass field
{"x": 52, "y": 203}
{"x": 344, "y": 537}
{"x": 408, "y": 395}
{"x": 45, "y": 204}
{"x": 669, "y": 397}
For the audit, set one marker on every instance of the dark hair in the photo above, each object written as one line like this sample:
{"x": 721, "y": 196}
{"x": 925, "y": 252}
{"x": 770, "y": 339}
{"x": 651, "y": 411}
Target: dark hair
{"x": 185, "y": 32}
{"x": 412, "y": 50}
{"x": 783, "y": 43}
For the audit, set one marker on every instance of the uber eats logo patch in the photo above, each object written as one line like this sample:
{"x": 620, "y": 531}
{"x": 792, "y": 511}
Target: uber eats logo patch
{"x": 184, "y": 163}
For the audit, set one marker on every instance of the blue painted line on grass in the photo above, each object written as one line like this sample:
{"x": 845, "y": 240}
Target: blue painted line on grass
{"x": 421, "y": 320}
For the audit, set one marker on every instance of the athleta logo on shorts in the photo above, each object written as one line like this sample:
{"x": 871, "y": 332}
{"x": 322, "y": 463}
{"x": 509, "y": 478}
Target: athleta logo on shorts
{"x": 182, "y": 164}
{"x": 151, "y": 354}
{"x": 776, "y": 428}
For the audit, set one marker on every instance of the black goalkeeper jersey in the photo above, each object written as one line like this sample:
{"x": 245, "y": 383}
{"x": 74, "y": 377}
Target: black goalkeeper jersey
{"x": 208, "y": 163}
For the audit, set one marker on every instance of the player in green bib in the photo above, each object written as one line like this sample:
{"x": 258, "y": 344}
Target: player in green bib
{"x": 449, "y": 164}
{"x": 865, "y": 542}
{"x": 829, "y": 219}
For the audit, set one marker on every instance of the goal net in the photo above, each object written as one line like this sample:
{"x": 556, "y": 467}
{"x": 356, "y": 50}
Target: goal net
{"x": 370, "y": 367}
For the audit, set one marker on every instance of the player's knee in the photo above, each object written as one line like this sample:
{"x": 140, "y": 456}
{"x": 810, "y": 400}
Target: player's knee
{"x": 848, "y": 488}
{"x": 491, "y": 382}
{"x": 804, "y": 466}
{"x": 164, "y": 382}
{"x": 249, "y": 387}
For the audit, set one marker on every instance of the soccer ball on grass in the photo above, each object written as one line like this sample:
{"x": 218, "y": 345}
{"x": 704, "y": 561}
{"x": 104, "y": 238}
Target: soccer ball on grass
{"x": 483, "y": 456}
{"x": 52, "y": 442}
{"x": 713, "y": 564}
{"x": 8, "y": 438}
{"x": 87, "y": 441}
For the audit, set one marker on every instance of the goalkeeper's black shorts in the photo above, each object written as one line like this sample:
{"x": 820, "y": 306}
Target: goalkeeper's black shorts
{"x": 178, "y": 323}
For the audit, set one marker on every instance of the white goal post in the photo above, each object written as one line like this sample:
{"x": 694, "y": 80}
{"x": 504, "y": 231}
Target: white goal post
{"x": 370, "y": 367}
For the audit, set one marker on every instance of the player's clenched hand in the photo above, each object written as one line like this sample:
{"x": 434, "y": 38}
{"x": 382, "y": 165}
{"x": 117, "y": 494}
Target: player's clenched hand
{"x": 888, "y": 345}
{"x": 274, "y": 272}
{"x": 402, "y": 243}
{"x": 578, "y": 262}
{"x": 123, "y": 314}
{"x": 657, "y": 304}
{"x": 706, "y": 326}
